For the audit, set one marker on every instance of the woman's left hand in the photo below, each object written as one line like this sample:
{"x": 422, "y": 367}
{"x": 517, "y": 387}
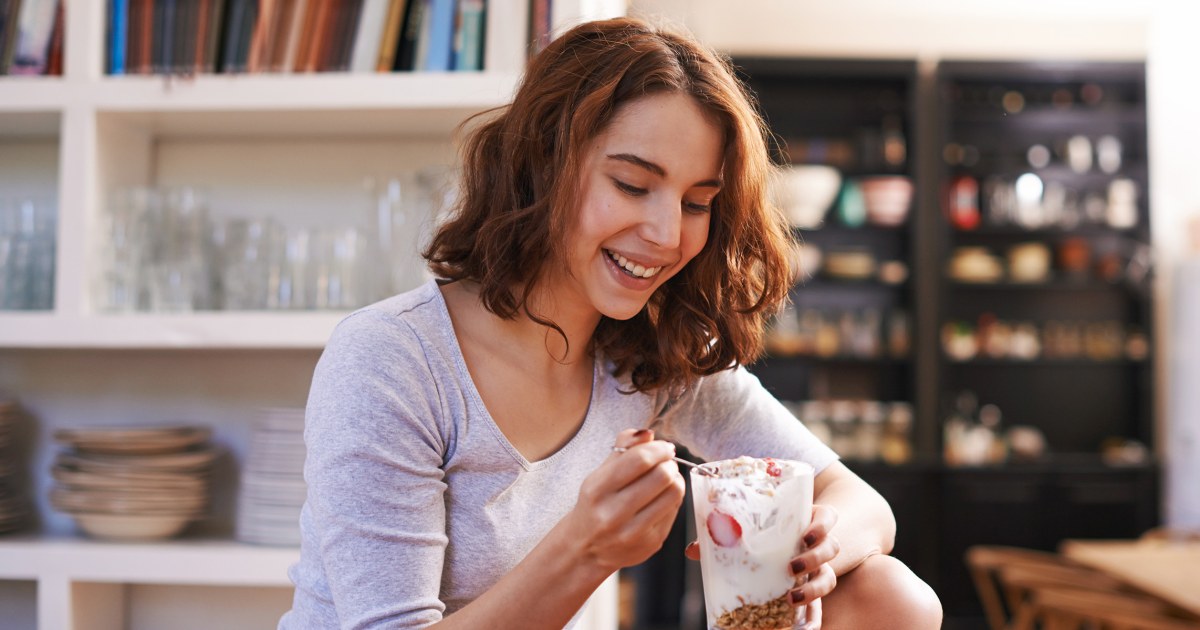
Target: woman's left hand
{"x": 814, "y": 577}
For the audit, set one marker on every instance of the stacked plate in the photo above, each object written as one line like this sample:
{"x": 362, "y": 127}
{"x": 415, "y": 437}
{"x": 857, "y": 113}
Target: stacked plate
{"x": 273, "y": 487}
{"x": 13, "y": 506}
{"x": 133, "y": 483}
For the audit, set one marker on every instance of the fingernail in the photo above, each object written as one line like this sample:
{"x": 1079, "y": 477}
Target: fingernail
{"x": 640, "y": 432}
{"x": 797, "y": 596}
{"x": 810, "y": 539}
{"x": 797, "y": 566}
{"x": 692, "y": 545}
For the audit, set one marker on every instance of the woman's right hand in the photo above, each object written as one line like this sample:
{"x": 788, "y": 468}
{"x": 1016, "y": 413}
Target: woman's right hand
{"x": 627, "y": 505}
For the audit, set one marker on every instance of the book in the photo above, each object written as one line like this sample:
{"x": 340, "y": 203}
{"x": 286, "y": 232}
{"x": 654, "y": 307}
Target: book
{"x": 9, "y": 10}
{"x": 436, "y": 49}
{"x": 469, "y": 29}
{"x": 34, "y": 28}
{"x": 284, "y": 17}
{"x": 200, "y": 45}
{"x": 145, "y": 36}
{"x": 410, "y": 34}
{"x": 118, "y": 19}
{"x": 318, "y": 36}
{"x": 540, "y": 26}
{"x": 212, "y": 46}
{"x": 389, "y": 39}
{"x": 367, "y": 35}
{"x": 234, "y": 16}
{"x": 260, "y": 35}
{"x": 347, "y": 29}
{"x": 54, "y": 53}
{"x": 295, "y": 33}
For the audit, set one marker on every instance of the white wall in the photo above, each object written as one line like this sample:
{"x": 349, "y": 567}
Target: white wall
{"x": 1024, "y": 29}
{"x": 1161, "y": 32}
{"x": 1174, "y": 93}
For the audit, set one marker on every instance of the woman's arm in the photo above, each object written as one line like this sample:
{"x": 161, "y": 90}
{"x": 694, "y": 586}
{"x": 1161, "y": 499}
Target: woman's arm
{"x": 625, "y": 511}
{"x": 865, "y": 525}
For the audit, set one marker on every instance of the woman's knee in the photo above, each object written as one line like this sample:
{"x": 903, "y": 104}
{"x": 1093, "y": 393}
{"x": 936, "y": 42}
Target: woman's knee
{"x": 883, "y": 592}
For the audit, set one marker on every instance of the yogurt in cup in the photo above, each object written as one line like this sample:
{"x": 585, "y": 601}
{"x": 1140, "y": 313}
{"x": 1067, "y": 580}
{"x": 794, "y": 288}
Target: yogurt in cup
{"x": 750, "y": 517}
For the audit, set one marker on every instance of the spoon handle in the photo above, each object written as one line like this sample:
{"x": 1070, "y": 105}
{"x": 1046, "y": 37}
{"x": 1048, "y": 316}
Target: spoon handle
{"x": 700, "y": 467}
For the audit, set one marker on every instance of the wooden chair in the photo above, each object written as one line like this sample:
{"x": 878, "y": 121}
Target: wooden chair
{"x": 1029, "y": 604}
{"x": 1001, "y": 601}
{"x": 1064, "y": 608}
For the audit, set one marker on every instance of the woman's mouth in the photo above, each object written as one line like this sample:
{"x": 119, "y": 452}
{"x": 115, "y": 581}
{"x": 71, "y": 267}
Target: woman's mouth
{"x": 631, "y": 268}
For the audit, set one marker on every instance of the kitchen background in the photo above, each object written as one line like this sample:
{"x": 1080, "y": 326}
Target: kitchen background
{"x": 994, "y": 320}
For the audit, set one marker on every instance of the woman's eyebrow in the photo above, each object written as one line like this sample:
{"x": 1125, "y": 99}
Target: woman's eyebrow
{"x": 656, "y": 169}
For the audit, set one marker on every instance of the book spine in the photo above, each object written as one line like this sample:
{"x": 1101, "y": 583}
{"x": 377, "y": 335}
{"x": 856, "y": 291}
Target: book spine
{"x": 216, "y": 23}
{"x": 118, "y": 25}
{"x": 259, "y": 35}
{"x": 319, "y": 35}
{"x": 233, "y": 20}
{"x": 406, "y": 54}
{"x": 295, "y": 35}
{"x": 54, "y": 50}
{"x": 349, "y": 34}
{"x": 468, "y": 55}
{"x": 33, "y": 37}
{"x": 200, "y": 46}
{"x": 389, "y": 39}
{"x": 367, "y": 35}
{"x": 438, "y": 34}
{"x": 539, "y": 27}
{"x": 146, "y": 37}
{"x": 280, "y": 35}
{"x": 8, "y": 38}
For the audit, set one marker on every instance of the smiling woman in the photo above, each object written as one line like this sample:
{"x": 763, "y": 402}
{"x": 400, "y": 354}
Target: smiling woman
{"x": 481, "y": 450}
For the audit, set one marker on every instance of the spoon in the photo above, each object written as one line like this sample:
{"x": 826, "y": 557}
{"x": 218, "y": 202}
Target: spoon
{"x": 700, "y": 467}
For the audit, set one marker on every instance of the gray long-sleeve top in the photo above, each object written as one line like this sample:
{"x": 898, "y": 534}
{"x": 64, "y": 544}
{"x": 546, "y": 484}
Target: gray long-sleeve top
{"x": 417, "y": 503}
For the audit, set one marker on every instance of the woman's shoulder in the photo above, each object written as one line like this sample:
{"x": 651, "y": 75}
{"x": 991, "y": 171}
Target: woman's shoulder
{"x": 408, "y": 323}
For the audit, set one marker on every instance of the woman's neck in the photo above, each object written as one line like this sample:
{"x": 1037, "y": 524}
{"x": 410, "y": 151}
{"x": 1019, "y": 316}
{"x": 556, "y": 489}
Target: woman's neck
{"x": 537, "y": 344}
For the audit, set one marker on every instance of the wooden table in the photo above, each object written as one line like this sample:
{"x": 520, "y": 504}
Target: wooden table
{"x": 1167, "y": 569}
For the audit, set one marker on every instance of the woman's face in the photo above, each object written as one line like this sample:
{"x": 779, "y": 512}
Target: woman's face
{"x": 646, "y": 189}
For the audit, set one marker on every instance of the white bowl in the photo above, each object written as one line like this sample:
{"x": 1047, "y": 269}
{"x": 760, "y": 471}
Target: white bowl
{"x": 887, "y": 199}
{"x": 129, "y": 527}
{"x": 806, "y": 192}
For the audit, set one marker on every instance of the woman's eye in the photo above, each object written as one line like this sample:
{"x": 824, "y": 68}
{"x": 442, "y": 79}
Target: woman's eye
{"x": 698, "y": 208}
{"x": 629, "y": 189}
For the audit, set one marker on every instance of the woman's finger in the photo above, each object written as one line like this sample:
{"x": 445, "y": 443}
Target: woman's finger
{"x": 692, "y": 551}
{"x": 819, "y": 584}
{"x": 824, "y": 518}
{"x": 812, "y": 616}
{"x": 632, "y": 437}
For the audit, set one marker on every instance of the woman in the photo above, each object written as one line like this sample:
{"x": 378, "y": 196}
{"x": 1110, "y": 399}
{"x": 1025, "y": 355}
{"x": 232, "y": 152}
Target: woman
{"x": 611, "y": 263}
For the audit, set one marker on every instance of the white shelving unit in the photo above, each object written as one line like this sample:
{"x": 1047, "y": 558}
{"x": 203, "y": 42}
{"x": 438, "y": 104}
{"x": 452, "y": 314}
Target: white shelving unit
{"x": 292, "y": 146}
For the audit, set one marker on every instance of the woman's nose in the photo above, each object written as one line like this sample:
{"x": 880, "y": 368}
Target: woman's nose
{"x": 662, "y": 225}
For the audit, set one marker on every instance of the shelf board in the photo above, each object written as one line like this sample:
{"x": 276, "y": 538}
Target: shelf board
{"x": 1083, "y": 286}
{"x": 826, "y": 282}
{"x": 836, "y": 360}
{"x": 1042, "y": 117}
{"x": 183, "y": 561}
{"x": 30, "y": 94}
{"x": 1081, "y": 362}
{"x": 332, "y": 104}
{"x": 1139, "y": 234}
{"x": 215, "y": 330}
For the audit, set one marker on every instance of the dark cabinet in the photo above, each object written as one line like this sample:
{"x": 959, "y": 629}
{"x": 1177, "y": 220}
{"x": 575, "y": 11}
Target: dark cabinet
{"x": 1026, "y": 263}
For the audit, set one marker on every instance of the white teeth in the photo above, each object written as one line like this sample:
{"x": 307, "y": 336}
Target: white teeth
{"x": 633, "y": 268}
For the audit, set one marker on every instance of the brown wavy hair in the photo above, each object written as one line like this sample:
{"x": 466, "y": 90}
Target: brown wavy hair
{"x": 521, "y": 173}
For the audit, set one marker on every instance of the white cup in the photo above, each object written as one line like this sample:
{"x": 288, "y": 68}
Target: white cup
{"x": 748, "y": 533}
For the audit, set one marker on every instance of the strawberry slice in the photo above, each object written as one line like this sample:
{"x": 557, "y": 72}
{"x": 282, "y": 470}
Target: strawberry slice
{"x": 773, "y": 469}
{"x": 723, "y": 529}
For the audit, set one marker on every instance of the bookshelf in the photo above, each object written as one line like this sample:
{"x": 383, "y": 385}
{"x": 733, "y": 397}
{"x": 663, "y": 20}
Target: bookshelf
{"x": 295, "y": 146}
